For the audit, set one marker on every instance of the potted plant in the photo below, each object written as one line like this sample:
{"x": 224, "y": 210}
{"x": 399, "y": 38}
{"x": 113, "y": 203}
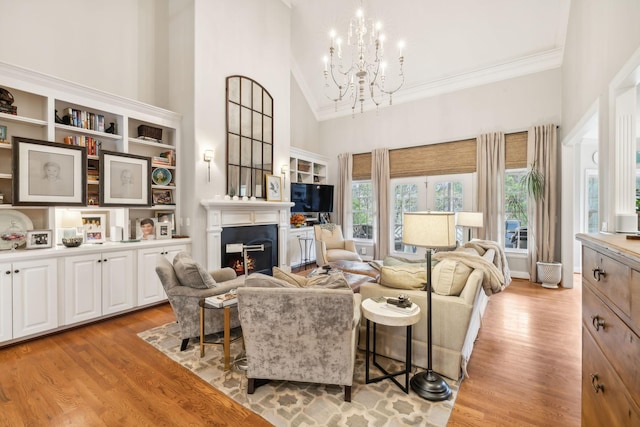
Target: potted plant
{"x": 549, "y": 272}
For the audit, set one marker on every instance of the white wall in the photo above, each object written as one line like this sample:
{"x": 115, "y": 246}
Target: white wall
{"x": 305, "y": 129}
{"x": 245, "y": 37}
{"x": 116, "y": 46}
{"x": 510, "y": 105}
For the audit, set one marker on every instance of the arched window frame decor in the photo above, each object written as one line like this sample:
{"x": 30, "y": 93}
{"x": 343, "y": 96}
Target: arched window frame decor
{"x": 249, "y": 136}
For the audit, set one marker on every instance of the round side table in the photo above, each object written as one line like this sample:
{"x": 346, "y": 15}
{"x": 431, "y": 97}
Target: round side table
{"x": 380, "y": 313}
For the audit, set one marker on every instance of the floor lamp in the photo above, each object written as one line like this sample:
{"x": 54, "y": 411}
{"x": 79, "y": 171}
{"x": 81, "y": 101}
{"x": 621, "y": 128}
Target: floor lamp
{"x": 431, "y": 230}
{"x": 470, "y": 220}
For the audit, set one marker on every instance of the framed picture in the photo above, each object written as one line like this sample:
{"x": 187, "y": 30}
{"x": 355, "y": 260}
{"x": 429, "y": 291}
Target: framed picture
{"x": 3, "y": 133}
{"x": 145, "y": 229}
{"x": 274, "y": 188}
{"x": 164, "y": 216}
{"x": 125, "y": 179}
{"x": 48, "y": 173}
{"x": 163, "y": 230}
{"x": 39, "y": 239}
{"x": 162, "y": 197}
{"x": 94, "y": 227}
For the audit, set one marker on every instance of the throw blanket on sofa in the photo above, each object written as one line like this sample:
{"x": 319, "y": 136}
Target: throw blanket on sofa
{"x": 499, "y": 260}
{"x": 493, "y": 279}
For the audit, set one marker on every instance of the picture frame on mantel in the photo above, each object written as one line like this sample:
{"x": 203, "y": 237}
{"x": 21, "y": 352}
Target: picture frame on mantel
{"x": 274, "y": 188}
{"x": 48, "y": 173}
{"x": 125, "y": 180}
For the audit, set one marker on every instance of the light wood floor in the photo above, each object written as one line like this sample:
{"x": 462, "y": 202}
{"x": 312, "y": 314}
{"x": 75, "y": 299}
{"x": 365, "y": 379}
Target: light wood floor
{"x": 524, "y": 370}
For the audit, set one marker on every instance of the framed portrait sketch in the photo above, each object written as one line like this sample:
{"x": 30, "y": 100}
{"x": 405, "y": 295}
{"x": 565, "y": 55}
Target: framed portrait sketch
{"x": 163, "y": 230}
{"x": 94, "y": 227}
{"x": 39, "y": 239}
{"x": 48, "y": 173}
{"x": 164, "y": 216}
{"x": 274, "y": 188}
{"x": 125, "y": 179}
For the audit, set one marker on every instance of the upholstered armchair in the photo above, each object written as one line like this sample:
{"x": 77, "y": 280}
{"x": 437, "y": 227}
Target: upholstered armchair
{"x": 185, "y": 282}
{"x": 331, "y": 245}
{"x": 299, "y": 334}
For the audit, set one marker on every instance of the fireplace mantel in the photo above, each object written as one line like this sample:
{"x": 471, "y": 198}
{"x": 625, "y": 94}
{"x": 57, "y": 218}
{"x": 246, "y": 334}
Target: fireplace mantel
{"x": 235, "y": 213}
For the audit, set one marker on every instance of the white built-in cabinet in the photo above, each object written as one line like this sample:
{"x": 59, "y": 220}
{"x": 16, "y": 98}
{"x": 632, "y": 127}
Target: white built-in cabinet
{"x": 307, "y": 167}
{"x": 150, "y": 289}
{"x": 28, "y": 298}
{"x": 298, "y": 239}
{"x": 98, "y": 284}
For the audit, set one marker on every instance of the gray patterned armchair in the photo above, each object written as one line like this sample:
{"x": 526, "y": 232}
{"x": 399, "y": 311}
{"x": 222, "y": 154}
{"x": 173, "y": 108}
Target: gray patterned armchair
{"x": 299, "y": 334}
{"x": 184, "y": 295}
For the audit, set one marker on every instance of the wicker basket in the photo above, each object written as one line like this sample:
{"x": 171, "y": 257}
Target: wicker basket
{"x": 145, "y": 131}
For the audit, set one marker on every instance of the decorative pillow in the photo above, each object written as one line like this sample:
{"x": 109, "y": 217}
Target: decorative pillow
{"x": 449, "y": 277}
{"x": 190, "y": 273}
{"x": 294, "y": 279}
{"x": 328, "y": 281}
{"x": 403, "y": 276}
{"x": 259, "y": 280}
{"x": 332, "y": 238}
{"x": 392, "y": 260}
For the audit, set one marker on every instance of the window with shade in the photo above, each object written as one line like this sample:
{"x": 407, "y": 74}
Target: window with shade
{"x": 362, "y": 209}
{"x": 515, "y": 210}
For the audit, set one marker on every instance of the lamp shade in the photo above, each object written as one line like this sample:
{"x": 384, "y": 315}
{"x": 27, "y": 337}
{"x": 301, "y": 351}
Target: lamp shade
{"x": 470, "y": 219}
{"x": 71, "y": 219}
{"x": 429, "y": 229}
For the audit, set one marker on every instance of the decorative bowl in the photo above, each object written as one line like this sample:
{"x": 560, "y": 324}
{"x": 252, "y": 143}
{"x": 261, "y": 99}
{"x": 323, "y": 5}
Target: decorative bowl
{"x": 72, "y": 242}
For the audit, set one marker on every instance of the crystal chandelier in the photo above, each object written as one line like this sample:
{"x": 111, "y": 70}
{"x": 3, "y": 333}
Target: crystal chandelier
{"x": 366, "y": 74}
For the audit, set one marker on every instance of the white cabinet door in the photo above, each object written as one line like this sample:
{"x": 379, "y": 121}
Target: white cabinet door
{"x": 35, "y": 296}
{"x": 118, "y": 292}
{"x": 6, "y": 303}
{"x": 150, "y": 288}
{"x": 83, "y": 288}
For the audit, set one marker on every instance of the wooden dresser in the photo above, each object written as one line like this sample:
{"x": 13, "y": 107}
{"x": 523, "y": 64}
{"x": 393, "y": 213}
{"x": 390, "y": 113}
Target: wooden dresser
{"x": 610, "y": 330}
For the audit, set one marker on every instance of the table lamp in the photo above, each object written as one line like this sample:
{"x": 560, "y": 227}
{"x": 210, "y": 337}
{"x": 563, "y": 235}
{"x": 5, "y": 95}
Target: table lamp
{"x": 431, "y": 230}
{"x": 70, "y": 222}
{"x": 470, "y": 220}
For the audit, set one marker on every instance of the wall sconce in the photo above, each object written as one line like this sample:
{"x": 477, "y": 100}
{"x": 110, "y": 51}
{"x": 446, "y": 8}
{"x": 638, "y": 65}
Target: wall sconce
{"x": 208, "y": 157}
{"x": 284, "y": 169}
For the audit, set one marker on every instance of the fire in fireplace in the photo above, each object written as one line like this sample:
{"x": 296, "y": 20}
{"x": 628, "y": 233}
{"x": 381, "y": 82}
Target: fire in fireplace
{"x": 233, "y": 239}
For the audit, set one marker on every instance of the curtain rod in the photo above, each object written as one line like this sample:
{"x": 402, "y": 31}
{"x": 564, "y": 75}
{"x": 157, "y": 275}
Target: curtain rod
{"x": 447, "y": 142}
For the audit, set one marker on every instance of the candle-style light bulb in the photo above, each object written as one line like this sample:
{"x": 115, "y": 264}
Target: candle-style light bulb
{"x": 401, "y": 47}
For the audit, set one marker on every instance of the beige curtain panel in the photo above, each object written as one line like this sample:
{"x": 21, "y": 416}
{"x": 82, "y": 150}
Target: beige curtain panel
{"x": 491, "y": 165}
{"x": 380, "y": 183}
{"x": 344, "y": 206}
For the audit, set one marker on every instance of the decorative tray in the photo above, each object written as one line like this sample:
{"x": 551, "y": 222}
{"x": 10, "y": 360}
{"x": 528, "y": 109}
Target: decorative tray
{"x": 12, "y": 219}
{"x": 161, "y": 176}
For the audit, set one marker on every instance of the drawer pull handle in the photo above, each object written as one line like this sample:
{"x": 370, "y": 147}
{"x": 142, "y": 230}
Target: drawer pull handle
{"x": 598, "y": 273}
{"x": 594, "y": 383}
{"x": 597, "y": 322}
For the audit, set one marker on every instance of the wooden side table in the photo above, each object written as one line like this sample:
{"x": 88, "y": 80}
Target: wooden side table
{"x": 378, "y": 313}
{"x": 226, "y": 342}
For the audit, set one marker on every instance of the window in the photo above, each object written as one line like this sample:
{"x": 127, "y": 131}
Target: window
{"x": 362, "y": 208}
{"x": 515, "y": 210}
{"x": 405, "y": 199}
{"x": 592, "y": 201}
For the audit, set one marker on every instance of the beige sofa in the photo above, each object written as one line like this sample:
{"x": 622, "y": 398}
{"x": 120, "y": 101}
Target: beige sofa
{"x": 456, "y": 317}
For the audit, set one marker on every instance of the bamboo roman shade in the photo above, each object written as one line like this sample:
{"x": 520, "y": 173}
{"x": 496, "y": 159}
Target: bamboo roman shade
{"x": 441, "y": 159}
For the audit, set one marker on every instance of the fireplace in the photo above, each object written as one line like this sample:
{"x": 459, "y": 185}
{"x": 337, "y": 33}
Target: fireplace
{"x": 236, "y": 240}
{"x": 246, "y": 215}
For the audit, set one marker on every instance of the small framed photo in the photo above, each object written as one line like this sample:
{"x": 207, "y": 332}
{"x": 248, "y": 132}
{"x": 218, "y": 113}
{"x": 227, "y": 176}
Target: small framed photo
{"x": 39, "y": 239}
{"x": 274, "y": 188}
{"x": 164, "y": 216}
{"x": 162, "y": 197}
{"x": 48, "y": 173}
{"x": 145, "y": 229}
{"x": 94, "y": 227}
{"x": 163, "y": 230}
{"x": 3, "y": 133}
{"x": 125, "y": 179}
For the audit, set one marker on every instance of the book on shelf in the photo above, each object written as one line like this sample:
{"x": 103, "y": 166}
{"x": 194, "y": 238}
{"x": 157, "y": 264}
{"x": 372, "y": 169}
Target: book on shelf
{"x": 223, "y": 300}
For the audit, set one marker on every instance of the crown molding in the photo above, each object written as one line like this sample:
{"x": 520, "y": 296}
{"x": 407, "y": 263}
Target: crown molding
{"x": 522, "y": 66}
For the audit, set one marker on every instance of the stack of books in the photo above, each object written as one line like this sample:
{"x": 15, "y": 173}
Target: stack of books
{"x": 223, "y": 300}
{"x": 160, "y": 161}
{"x": 92, "y": 174}
{"x": 84, "y": 119}
{"x": 92, "y": 144}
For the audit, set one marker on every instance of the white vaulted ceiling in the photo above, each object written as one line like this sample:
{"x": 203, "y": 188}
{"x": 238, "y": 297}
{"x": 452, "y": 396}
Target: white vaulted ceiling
{"x": 450, "y": 44}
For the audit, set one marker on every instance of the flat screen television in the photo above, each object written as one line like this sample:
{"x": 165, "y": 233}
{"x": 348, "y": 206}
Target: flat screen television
{"x": 311, "y": 197}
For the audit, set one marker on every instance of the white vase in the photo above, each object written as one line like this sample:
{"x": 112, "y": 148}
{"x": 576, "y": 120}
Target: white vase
{"x": 549, "y": 273}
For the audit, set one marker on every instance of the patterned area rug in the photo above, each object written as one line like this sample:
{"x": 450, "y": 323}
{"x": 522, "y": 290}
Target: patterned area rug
{"x": 287, "y": 403}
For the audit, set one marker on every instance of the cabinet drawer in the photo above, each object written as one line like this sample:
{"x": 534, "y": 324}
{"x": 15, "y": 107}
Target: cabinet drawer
{"x": 608, "y": 276}
{"x": 609, "y": 405}
{"x": 618, "y": 343}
